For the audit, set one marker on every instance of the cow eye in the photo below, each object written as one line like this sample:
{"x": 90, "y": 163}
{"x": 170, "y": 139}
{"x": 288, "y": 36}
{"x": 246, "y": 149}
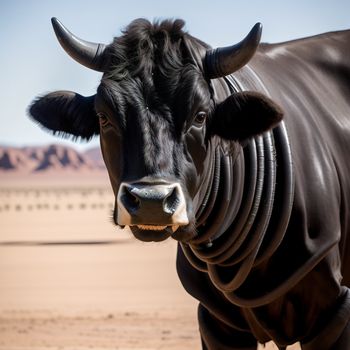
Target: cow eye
{"x": 200, "y": 118}
{"x": 104, "y": 122}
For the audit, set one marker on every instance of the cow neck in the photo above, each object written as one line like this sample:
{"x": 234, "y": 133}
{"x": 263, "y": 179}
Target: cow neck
{"x": 220, "y": 202}
{"x": 229, "y": 246}
{"x": 255, "y": 232}
{"x": 211, "y": 187}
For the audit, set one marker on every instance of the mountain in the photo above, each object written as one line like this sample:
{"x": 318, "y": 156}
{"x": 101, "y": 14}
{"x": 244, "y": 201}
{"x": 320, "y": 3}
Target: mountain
{"x": 95, "y": 156}
{"x": 49, "y": 159}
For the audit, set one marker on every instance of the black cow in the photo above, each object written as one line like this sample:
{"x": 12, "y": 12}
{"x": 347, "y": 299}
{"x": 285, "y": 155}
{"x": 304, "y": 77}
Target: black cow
{"x": 196, "y": 149}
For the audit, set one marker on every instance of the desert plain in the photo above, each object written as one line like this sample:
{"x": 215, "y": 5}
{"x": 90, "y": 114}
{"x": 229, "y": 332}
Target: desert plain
{"x": 70, "y": 280}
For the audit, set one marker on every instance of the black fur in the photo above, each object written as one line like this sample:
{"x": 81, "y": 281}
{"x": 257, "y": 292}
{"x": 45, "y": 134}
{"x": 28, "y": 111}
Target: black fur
{"x": 145, "y": 47}
{"x": 151, "y": 92}
{"x": 66, "y": 113}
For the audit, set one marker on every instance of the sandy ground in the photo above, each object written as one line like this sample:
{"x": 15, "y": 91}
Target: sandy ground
{"x": 70, "y": 281}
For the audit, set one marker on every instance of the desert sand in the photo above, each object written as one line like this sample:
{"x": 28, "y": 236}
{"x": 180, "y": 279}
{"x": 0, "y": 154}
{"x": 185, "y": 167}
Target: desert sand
{"x": 69, "y": 280}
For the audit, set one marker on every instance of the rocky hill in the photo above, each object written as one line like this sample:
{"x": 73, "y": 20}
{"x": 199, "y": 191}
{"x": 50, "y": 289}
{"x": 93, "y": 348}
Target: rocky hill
{"x": 52, "y": 158}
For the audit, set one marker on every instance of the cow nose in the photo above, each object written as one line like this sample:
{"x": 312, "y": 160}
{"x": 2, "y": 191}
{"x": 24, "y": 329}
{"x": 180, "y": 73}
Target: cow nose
{"x": 162, "y": 198}
{"x": 160, "y": 204}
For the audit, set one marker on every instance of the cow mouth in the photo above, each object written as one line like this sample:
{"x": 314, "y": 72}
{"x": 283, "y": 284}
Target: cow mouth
{"x": 157, "y": 228}
{"x": 156, "y": 233}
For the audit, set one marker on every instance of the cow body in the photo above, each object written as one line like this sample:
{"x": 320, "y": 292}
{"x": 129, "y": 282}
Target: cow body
{"x": 313, "y": 90}
{"x": 260, "y": 211}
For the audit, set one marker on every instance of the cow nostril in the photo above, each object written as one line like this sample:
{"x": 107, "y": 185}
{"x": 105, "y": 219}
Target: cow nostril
{"x": 130, "y": 201}
{"x": 171, "y": 202}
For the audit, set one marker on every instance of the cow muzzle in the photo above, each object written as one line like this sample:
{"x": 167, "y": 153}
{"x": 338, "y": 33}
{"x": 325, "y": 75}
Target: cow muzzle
{"x": 151, "y": 205}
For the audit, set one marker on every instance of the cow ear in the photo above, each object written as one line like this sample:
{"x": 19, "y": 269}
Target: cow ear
{"x": 245, "y": 114}
{"x": 66, "y": 113}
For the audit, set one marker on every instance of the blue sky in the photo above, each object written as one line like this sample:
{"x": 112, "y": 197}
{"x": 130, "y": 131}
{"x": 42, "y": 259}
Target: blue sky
{"x": 33, "y": 63}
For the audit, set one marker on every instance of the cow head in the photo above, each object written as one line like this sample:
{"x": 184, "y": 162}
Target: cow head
{"x": 157, "y": 115}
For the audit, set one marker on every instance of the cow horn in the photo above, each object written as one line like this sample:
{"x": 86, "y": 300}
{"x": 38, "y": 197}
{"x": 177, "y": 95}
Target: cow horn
{"x": 226, "y": 60}
{"x": 84, "y": 52}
